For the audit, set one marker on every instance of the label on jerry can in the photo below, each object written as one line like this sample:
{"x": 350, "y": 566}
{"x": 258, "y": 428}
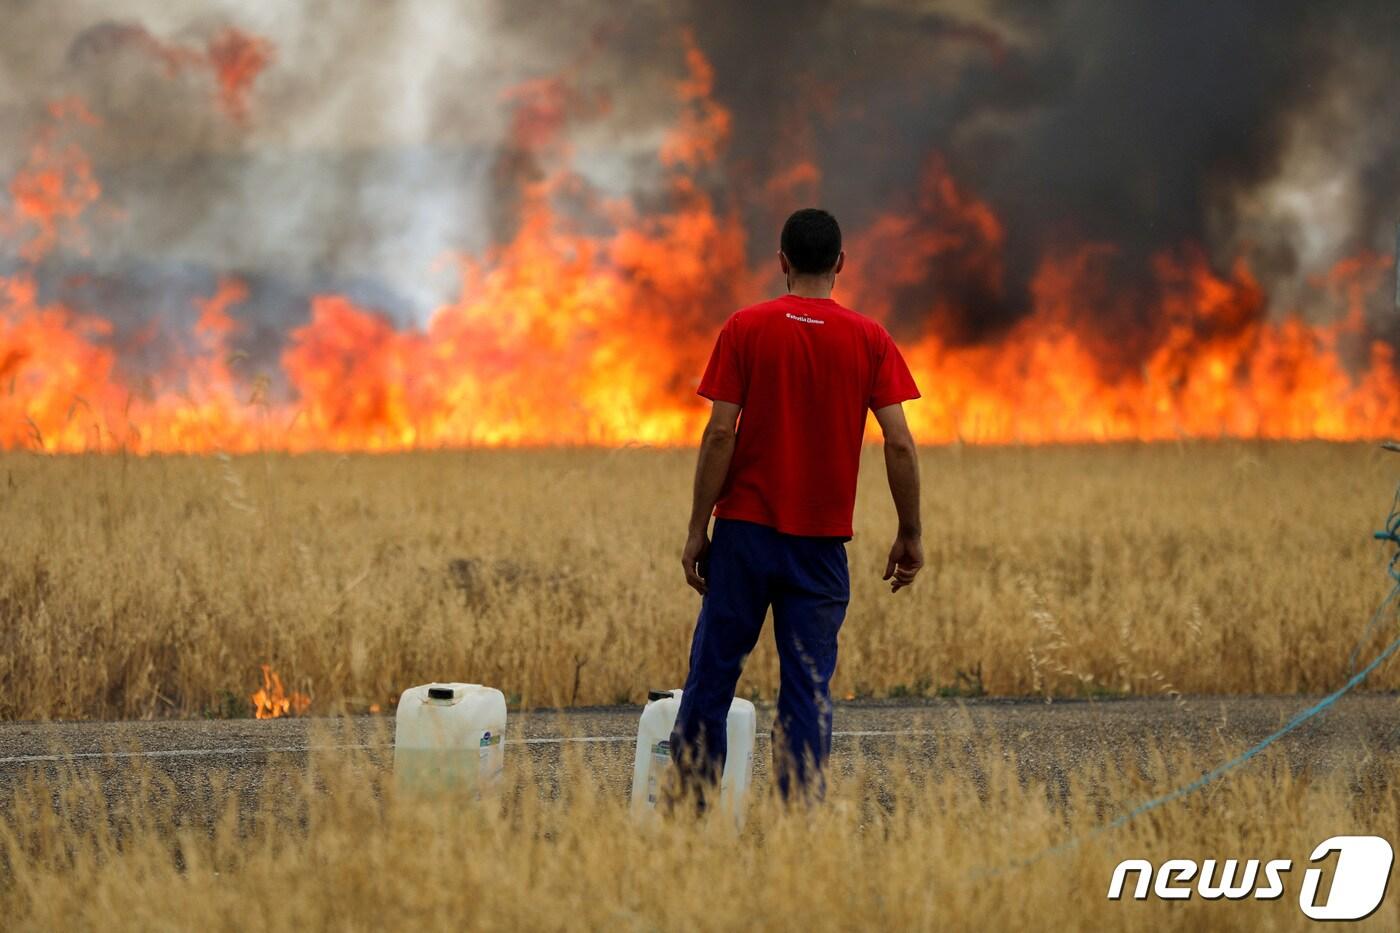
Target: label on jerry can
{"x": 492, "y": 762}
{"x": 660, "y": 761}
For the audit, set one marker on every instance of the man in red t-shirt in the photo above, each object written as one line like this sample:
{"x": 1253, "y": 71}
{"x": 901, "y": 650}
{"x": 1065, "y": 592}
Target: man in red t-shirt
{"x": 791, "y": 381}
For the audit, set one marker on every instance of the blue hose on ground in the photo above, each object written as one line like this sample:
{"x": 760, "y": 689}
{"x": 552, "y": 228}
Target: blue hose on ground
{"x": 1390, "y": 533}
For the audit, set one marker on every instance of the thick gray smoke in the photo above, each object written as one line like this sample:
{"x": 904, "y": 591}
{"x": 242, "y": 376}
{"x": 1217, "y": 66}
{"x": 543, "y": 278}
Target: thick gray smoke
{"x": 378, "y": 141}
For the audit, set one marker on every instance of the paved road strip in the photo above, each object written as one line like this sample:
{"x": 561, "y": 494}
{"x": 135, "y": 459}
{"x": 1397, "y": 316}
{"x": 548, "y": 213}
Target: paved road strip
{"x": 255, "y": 749}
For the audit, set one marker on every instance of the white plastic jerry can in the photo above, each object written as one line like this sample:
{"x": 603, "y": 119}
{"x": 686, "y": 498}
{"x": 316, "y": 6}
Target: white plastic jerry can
{"x": 450, "y": 736}
{"x": 654, "y": 754}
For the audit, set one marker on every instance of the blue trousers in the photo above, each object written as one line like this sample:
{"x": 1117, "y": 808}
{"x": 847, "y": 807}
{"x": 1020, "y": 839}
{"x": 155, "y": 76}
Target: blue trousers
{"x": 806, "y": 580}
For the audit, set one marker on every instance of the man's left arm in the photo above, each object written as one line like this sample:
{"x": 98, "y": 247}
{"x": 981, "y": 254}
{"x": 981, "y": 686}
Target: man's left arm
{"x": 711, "y": 469}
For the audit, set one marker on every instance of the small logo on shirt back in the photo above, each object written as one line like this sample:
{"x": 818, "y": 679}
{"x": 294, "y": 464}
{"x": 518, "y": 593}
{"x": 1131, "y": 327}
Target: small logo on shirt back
{"x": 803, "y": 318}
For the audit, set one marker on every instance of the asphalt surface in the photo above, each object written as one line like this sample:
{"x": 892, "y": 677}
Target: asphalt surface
{"x": 198, "y": 760}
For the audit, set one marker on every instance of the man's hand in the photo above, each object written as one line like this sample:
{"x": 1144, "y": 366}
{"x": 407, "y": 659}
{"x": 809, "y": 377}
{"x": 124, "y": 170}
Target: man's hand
{"x": 902, "y": 468}
{"x": 906, "y": 560}
{"x": 711, "y": 469}
{"x": 697, "y": 547}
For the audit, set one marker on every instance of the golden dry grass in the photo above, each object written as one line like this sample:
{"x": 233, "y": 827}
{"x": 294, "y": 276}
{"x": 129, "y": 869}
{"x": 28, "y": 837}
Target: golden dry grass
{"x": 133, "y": 587}
{"x": 900, "y": 845}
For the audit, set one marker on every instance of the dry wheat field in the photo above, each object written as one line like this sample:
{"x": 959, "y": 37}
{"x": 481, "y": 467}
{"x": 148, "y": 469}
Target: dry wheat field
{"x": 902, "y": 844}
{"x": 150, "y": 587}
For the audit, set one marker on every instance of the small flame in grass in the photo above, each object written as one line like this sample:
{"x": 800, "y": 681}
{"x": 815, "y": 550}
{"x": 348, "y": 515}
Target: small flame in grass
{"x": 271, "y": 701}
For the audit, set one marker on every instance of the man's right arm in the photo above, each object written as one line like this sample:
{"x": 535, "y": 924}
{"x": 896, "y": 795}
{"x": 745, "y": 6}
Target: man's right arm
{"x": 902, "y": 468}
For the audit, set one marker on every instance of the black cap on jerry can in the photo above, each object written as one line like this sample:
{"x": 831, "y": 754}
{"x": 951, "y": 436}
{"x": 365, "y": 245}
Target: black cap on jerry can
{"x": 439, "y": 693}
{"x": 658, "y": 694}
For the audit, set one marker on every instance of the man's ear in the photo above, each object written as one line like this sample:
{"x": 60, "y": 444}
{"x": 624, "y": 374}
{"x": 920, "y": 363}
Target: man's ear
{"x": 840, "y": 262}
{"x": 783, "y": 261}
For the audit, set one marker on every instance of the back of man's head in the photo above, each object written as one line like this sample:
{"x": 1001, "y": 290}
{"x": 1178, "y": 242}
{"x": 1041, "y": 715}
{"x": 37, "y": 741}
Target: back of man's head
{"x": 811, "y": 241}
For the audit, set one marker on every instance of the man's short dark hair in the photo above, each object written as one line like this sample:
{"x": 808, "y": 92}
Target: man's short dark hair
{"x": 811, "y": 241}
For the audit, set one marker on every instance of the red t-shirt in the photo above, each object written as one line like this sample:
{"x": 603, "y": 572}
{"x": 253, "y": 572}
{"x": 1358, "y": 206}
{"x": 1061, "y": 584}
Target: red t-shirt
{"x": 805, "y": 371}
